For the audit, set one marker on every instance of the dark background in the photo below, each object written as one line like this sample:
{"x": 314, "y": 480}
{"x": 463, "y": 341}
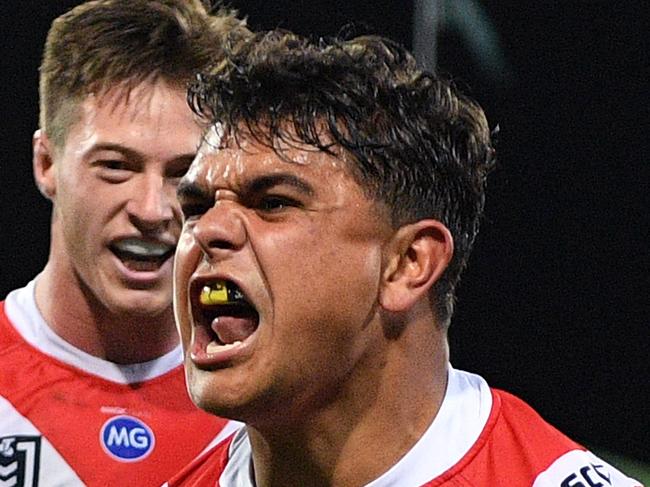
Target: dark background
{"x": 554, "y": 305}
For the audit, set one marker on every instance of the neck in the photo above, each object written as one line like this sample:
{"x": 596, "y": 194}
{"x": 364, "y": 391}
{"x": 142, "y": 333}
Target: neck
{"x": 85, "y": 323}
{"x": 371, "y": 425}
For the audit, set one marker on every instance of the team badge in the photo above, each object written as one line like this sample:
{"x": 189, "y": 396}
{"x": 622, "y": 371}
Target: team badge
{"x": 19, "y": 460}
{"x": 127, "y": 439}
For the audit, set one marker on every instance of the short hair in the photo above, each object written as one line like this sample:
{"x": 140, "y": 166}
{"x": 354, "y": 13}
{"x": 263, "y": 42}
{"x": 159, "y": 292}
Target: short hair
{"x": 103, "y": 43}
{"x": 417, "y": 144}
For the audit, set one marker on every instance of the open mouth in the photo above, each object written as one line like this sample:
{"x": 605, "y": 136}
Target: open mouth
{"x": 142, "y": 255}
{"x": 224, "y": 317}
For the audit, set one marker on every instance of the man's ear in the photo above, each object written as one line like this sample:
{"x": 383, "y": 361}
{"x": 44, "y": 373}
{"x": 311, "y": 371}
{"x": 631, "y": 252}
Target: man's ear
{"x": 418, "y": 254}
{"x": 43, "y": 164}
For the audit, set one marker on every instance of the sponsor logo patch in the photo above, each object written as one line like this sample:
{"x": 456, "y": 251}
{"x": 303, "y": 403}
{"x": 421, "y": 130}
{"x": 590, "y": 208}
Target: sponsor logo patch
{"x": 580, "y": 468}
{"x": 127, "y": 439}
{"x": 19, "y": 460}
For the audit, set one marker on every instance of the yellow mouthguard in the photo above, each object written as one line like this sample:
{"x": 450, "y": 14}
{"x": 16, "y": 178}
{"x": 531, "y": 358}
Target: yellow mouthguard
{"x": 215, "y": 294}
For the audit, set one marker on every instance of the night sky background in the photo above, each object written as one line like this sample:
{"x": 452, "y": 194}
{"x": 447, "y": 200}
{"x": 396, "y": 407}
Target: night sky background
{"x": 554, "y": 305}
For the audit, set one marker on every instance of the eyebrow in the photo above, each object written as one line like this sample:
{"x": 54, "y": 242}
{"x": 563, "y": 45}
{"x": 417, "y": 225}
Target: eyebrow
{"x": 108, "y": 146}
{"x": 189, "y": 190}
{"x": 130, "y": 153}
{"x": 263, "y": 183}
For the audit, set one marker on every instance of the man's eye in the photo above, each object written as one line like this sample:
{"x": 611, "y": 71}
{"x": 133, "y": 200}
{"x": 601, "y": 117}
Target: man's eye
{"x": 113, "y": 164}
{"x": 114, "y": 170}
{"x": 276, "y": 203}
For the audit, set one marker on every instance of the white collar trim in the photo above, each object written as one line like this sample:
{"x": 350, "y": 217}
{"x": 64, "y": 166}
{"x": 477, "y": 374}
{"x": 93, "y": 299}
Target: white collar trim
{"x": 456, "y": 428}
{"x": 21, "y": 309}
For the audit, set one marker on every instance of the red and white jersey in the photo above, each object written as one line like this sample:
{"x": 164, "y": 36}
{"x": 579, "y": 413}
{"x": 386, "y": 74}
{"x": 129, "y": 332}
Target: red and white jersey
{"x": 68, "y": 418}
{"x": 480, "y": 437}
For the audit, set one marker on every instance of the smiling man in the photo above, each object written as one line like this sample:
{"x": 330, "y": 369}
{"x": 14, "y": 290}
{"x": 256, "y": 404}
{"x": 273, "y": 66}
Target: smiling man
{"x": 92, "y": 388}
{"x": 328, "y": 215}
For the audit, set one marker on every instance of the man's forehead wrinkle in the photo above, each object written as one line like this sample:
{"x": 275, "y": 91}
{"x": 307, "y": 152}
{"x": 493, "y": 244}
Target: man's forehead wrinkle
{"x": 245, "y": 167}
{"x": 283, "y": 140}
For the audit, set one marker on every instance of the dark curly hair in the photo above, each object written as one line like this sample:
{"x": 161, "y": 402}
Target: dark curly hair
{"x": 417, "y": 144}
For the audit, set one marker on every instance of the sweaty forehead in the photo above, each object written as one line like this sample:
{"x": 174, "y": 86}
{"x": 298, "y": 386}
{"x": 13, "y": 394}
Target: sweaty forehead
{"x": 236, "y": 160}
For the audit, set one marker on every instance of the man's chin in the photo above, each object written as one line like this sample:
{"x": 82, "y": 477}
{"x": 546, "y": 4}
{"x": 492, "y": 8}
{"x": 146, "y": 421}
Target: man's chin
{"x": 203, "y": 392}
{"x": 140, "y": 304}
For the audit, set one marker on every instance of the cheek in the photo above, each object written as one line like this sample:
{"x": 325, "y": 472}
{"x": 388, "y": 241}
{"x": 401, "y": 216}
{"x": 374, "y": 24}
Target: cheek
{"x": 325, "y": 275}
{"x": 85, "y": 202}
{"x": 170, "y": 195}
{"x": 81, "y": 222}
{"x": 354, "y": 276}
{"x": 186, "y": 260}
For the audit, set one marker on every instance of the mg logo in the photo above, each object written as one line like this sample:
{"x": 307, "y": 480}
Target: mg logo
{"x": 126, "y": 439}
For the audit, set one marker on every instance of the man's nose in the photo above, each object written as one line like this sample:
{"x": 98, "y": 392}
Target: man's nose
{"x": 152, "y": 204}
{"x": 221, "y": 230}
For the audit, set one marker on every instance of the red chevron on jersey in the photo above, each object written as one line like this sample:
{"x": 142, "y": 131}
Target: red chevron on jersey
{"x": 65, "y": 425}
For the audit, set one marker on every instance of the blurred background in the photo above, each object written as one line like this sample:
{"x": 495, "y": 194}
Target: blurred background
{"x": 554, "y": 305}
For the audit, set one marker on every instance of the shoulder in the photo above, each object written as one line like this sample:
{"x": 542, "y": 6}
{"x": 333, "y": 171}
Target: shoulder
{"x": 525, "y": 426}
{"x": 529, "y": 449}
{"x": 15, "y": 353}
{"x": 581, "y": 468}
{"x": 8, "y": 335}
{"x": 206, "y": 469}
{"x": 521, "y": 436}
